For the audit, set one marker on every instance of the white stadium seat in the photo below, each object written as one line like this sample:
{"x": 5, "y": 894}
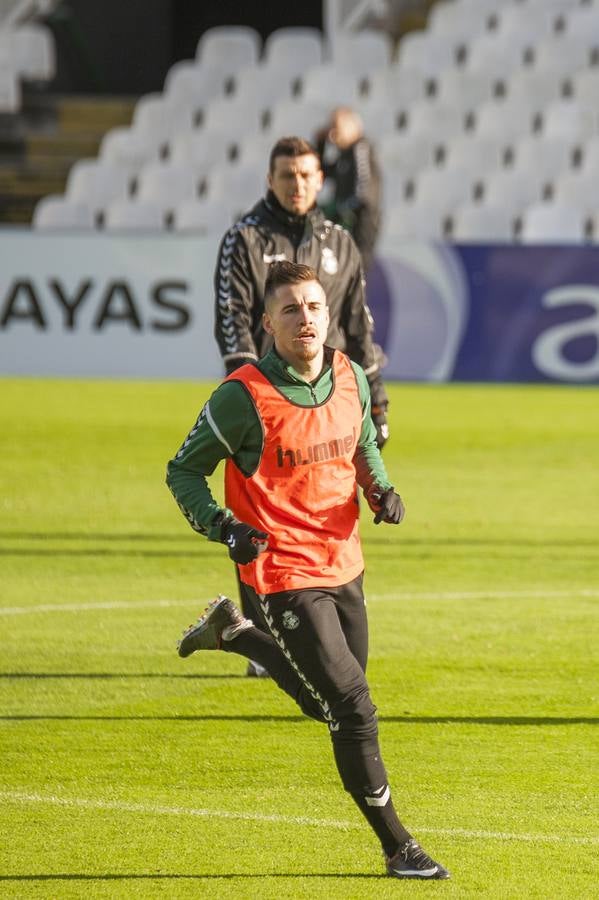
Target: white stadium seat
{"x": 465, "y": 90}
{"x": 360, "y": 51}
{"x": 424, "y": 52}
{"x": 477, "y": 153}
{"x": 254, "y": 150}
{"x": 521, "y": 19}
{"x": 585, "y": 86}
{"x": 397, "y": 185}
{"x": 474, "y": 222}
{"x": 577, "y": 189}
{"x": 569, "y": 119}
{"x": 378, "y": 119}
{"x": 238, "y": 187}
{"x": 159, "y": 118}
{"x": 504, "y": 118}
{"x": 543, "y": 156}
{"x": 338, "y": 86}
{"x": 134, "y": 215}
{"x": 489, "y": 53}
{"x": 33, "y": 51}
{"x": 200, "y": 150}
{"x": 583, "y": 23}
{"x": 534, "y": 88}
{"x": 552, "y": 223}
{"x": 231, "y": 114}
{"x": 406, "y": 153}
{"x": 297, "y": 118}
{"x": 293, "y": 50}
{"x": 429, "y": 118}
{"x": 512, "y": 189}
{"x": 444, "y": 188}
{"x": 128, "y": 148}
{"x": 590, "y": 158}
{"x": 203, "y": 217}
{"x": 167, "y": 184}
{"x": 453, "y": 21}
{"x": 594, "y": 227}
{"x": 95, "y": 182}
{"x": 559, "y": 5}
{"x": 240, "y": 45}
{"x": 395, "y": 87}
{"x": 57, "y": 211}
{"x": 561, "y": 54}
{"x": 190, "y": 86}
{"x": 258, "y": 87}
{"x": 411, "y": 221}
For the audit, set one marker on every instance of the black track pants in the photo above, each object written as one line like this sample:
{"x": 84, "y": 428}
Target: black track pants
{"x": 317, "y": 652}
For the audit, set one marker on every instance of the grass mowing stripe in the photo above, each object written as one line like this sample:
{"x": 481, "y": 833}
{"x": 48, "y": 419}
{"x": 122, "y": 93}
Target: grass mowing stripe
{"x": 400, "y": 595}
{"x": 117, "y": 806}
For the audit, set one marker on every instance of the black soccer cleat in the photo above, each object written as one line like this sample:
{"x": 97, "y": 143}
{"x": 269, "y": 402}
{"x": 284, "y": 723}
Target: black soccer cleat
{"x": 411, "y": 861}
{"x": 207, "y": 634}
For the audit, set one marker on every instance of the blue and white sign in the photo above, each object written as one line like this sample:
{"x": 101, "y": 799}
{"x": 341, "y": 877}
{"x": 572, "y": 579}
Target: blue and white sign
{"x": 142, "y": 306}
{"x": 488, "y": 313}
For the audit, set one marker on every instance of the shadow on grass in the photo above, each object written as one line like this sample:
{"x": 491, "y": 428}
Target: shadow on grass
{"x": 80, "y": 876}
{"x": 403, "y": 720}
{"x": 382, "y": 541}
{"x": 189, "y": 538}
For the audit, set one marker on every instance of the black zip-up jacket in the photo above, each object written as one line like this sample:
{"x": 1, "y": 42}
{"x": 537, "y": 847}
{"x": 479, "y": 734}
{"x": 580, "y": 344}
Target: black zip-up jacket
{"x": 268, "y": 233}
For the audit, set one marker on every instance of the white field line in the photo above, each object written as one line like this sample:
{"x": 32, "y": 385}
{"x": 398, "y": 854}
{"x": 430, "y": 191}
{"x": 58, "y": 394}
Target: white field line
{"x": 200, "y": 604}
{"x": 149, "y": 809}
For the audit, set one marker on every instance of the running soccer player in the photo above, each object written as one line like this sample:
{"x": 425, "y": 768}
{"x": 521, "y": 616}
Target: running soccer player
{"x": 297, "y": 436}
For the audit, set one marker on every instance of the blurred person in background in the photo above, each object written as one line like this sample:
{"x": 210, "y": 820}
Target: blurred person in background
{"x": 351, "y": 194}
{"x": 288, "y": 225}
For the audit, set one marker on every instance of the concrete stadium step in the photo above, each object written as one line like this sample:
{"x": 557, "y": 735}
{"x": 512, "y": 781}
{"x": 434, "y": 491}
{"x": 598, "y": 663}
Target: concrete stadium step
{"x": 54, "y": 132}
{"x": 93, "y": 114}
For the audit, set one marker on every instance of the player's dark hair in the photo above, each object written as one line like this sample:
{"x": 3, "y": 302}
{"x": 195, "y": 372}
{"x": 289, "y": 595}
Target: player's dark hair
{"x": 285, "y": 272}
{"x": 291, "y": 146}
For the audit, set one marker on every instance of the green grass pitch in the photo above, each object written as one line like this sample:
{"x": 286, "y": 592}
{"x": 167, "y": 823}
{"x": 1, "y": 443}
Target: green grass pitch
{"x": 127, "y": 772}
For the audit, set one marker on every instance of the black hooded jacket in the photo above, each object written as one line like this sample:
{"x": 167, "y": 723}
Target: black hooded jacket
{"x": 266, "y": 234}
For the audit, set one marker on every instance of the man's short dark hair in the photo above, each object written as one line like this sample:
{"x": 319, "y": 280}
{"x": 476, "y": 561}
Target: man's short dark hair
{"x": 291, "y": 146}
{"x": 285, "y": 272}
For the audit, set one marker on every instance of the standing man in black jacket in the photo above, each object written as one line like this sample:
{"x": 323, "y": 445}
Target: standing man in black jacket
{"x": 287, "y": 224}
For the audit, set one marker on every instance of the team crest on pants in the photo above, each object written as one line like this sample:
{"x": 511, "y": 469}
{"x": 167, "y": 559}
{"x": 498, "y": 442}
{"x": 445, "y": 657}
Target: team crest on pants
{"x": 290, "y": 620}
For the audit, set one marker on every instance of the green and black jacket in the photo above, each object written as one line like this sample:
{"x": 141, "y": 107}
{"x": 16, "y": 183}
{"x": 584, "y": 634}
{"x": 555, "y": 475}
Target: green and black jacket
{"x": 228, "y": 427}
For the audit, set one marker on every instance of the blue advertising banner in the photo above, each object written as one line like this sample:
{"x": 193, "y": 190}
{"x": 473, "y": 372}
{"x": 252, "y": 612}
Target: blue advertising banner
{"x": 487, "y": 312}
{"x": 141, "y": 306}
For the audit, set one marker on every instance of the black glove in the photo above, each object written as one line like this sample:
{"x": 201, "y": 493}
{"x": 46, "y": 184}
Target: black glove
{"x": 244, "y": 542}
{"x": 379, "y": 417}
{"x": 387, "y": 505}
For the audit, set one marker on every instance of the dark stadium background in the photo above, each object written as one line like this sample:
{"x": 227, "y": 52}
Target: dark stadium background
{"x": 127, "y": 46}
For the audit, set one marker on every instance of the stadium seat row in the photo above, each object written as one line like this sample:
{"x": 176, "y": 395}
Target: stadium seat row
{"x": 439, "y": 112}
{"x": 466, "y": 222}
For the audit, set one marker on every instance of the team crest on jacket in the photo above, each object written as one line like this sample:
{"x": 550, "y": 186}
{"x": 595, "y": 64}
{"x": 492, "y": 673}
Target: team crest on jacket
{"x": 330, "y": 263}
{"x": 290, "y": 620}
